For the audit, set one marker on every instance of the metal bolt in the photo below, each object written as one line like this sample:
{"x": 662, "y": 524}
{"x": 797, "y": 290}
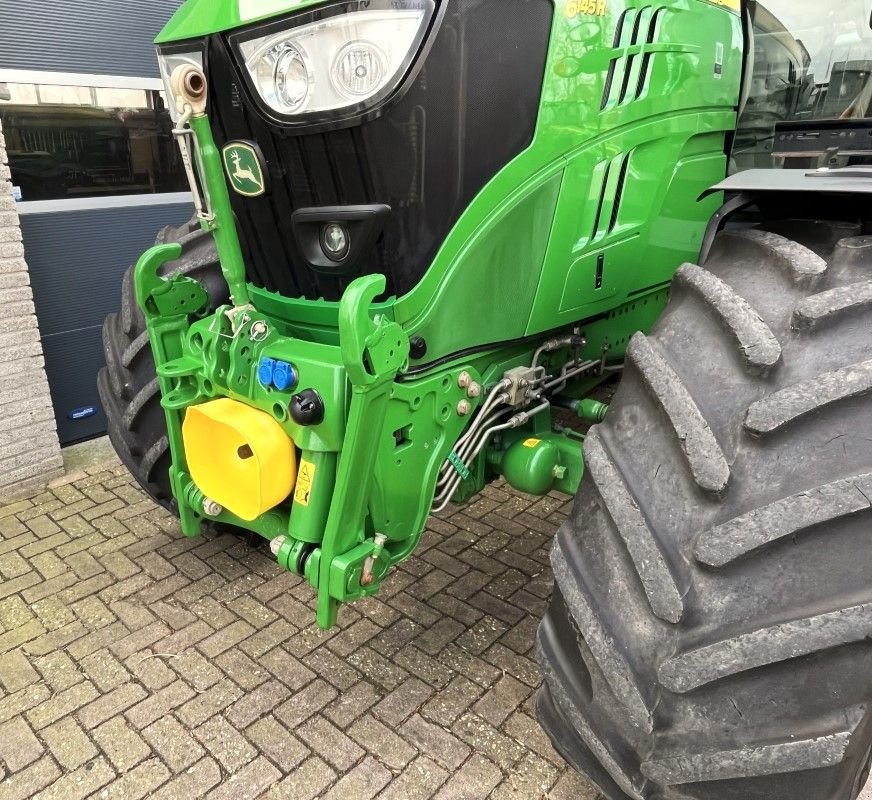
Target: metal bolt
{"x": 474, "y": 390}
{"x": 211, "y": 508}
{"x": 259, "y": 331}
{"x": 276, "y": 544}
{"x": 463, "y": 408}
{"x": 367, "y": 577}
{"x": 464, "y": 379}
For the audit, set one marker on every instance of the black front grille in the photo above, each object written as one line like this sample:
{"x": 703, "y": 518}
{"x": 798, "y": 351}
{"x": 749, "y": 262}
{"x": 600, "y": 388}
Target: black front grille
{"x": 471, "y": 109}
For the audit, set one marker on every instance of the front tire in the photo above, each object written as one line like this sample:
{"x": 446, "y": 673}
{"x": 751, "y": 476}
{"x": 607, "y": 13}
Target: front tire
{"x": 128, "y": 383}
{"x": 709, "y": 631}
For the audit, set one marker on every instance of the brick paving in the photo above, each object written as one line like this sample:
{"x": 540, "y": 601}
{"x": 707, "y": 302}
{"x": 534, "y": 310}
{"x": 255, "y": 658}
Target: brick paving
{"x": 136, "y": 663}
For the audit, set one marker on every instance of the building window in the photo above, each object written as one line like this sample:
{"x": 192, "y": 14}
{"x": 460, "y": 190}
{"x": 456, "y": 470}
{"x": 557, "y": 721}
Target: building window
{"x": 86, "y": 141}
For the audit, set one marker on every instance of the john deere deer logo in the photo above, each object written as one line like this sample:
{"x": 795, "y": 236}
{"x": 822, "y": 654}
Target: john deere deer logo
{"x": 242, "y": 162}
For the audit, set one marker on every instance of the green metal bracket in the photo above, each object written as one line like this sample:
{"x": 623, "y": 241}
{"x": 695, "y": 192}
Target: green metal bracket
{"x": 158, "y": 296}
{"x": 347, "y": 570}
{"x": 166, "y": 304}
{"x": 373, "y": 351}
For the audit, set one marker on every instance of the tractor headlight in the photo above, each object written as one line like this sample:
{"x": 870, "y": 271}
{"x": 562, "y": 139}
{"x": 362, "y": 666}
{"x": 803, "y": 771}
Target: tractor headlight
{"x": 334, "y": 59}
{"x": 284, "y": 77}
{"x": 168, "y": 63}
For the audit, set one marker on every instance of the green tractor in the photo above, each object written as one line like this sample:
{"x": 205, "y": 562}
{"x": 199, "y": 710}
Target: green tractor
{"x": 426, "y": 233}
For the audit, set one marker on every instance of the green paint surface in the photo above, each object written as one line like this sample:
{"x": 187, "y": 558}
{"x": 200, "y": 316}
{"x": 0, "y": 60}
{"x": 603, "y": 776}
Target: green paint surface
{"x": 198, "y": 18}
{"x": 604, "y": 127}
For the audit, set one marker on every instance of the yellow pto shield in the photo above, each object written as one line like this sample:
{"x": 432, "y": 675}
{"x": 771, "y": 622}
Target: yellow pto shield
{"x": 239, "y": 457}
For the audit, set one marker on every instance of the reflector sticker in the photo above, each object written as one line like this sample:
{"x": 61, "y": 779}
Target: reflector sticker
{"x": 305, "y": 479}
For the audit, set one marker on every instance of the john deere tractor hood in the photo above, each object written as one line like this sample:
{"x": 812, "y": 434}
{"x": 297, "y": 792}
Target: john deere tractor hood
{"x": 203, "y": 17}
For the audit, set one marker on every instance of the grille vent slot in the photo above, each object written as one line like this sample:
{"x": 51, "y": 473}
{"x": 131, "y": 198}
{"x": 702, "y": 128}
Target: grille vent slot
{"x": 627, "y": 77}
{"x": 614, "y": 177}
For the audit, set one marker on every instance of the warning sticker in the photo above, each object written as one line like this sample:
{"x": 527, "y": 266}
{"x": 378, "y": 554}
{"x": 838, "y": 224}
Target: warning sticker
{"x": 305, "y": 478}
{"x": 532, "y": 442}
{"x": 730, "y": 5}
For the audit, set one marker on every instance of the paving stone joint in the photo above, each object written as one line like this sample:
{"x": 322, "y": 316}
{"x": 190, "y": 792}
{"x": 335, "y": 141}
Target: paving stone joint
{"x": 136, "y": 663}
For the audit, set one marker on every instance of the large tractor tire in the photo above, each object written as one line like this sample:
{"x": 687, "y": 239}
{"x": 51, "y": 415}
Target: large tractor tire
{"x": 709, "y": 632}
{"x": 128, "y": 384}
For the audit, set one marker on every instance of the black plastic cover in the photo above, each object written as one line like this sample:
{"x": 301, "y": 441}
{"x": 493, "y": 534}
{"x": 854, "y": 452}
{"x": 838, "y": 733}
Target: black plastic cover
{"x": 470, "y": 110}
{"x": 363, "y": 224}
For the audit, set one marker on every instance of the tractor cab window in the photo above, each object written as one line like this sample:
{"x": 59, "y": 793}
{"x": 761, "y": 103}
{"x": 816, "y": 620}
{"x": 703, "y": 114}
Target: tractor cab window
{"x": 808, "y": 86}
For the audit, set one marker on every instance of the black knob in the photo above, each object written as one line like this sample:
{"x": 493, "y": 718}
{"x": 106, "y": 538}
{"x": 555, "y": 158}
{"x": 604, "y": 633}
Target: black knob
{"x": 417, "y": 347}
{"x": 307, "y": 408}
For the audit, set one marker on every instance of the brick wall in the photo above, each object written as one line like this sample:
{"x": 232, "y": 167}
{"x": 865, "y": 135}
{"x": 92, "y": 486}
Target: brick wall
{"x": 29, "y": 451}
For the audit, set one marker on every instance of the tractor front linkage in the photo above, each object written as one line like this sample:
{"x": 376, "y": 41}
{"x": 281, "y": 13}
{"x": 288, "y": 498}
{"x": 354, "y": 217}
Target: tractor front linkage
{"x": 300, "y": 422}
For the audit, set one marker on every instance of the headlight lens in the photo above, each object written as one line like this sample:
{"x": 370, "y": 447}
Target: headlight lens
{"x": 359, "y": 69}
{"x": 285, "y": 77}
{"x": 342, "y": 61}
{"x": 168, "y": 63}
